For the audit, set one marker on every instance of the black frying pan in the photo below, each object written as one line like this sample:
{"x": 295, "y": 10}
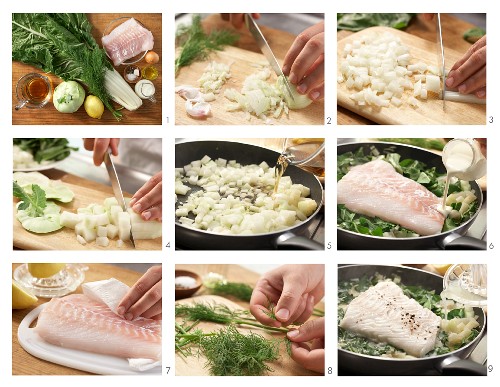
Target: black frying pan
{"x": 291, "y": 238}
{"x": 453, "y": 239}
{"x": 453, "y": 363}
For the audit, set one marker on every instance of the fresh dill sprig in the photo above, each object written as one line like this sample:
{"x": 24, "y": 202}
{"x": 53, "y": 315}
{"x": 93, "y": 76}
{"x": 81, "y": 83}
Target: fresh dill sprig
{"x": 238, "y": 290}
{"x": 220, "y": 314}
{"x": 229, "y": 352}
{"x": 288, "y": 346}
{"x": 197, "y": 45}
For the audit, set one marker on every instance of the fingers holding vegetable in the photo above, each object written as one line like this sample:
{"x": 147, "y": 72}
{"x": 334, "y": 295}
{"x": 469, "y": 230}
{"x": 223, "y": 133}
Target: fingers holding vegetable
{"x": 147, "y": 201}
{"x": 305, "y": 60}
{"x": 311, "y": 356}
{"x": 100, "y": 146}
{"x": 237, "y": 19}
{"x": 144, "y": 298}
{"x": 468, "y": 74}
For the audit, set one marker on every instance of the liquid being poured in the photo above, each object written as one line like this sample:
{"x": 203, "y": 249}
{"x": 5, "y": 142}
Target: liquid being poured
{"x": 462, "y": 159}
{"x": 279, "y": 170}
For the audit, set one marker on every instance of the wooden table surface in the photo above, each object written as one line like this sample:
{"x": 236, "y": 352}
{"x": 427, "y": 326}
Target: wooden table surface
{"x": 236, "y": 273}
{"x": 25, "y": 364}
{"x": 453, "y": 29}
{"x": 242, "y": 57}
{"x": 148, "y": 114}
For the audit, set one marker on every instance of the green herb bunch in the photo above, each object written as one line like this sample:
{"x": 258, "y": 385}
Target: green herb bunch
{"x": 196, "y": 45}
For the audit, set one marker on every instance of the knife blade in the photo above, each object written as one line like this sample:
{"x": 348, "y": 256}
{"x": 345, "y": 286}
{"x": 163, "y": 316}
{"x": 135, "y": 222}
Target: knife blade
{"x": 440, "y": 48}
{"x": 266, "y": 50}
{"x": 117, "y": 189}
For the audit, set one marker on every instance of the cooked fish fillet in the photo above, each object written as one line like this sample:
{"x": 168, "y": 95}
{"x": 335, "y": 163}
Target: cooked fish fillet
{"x": 126, "y": 41}
{"x": 376, "y": 189}
{"x": 77, "y": 322}
{"x": 384, "y": 314}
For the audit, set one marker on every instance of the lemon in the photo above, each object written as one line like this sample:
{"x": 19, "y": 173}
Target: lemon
{"x": 21, "y": 299}
{"x": 45, "y": 270}
{"x": 93, "y": 106}
{"x": 441, "y": 269}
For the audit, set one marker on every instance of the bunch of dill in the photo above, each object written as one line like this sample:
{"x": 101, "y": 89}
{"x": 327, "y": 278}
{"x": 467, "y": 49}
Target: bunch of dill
{"x": 229, "y": 352}
{"x": 195, "y": 44}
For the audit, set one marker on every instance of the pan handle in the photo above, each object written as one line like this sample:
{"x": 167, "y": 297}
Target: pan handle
{"x": 454, "y": 366}
{"x": 458, "y": 242}
{"x": 289, "y": 241}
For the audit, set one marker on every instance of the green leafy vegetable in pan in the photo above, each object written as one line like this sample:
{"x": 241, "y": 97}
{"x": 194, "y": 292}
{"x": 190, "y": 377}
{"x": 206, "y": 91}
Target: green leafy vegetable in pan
{"x": 447, "y": 339}
{"x": 414, "y": 170}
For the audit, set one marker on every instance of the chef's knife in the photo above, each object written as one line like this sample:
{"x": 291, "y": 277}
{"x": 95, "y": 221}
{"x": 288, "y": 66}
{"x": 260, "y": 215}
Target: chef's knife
{"x": 266, "y": 50}
{"x": 440, "y": 48}
{"x": 115, "y": 184}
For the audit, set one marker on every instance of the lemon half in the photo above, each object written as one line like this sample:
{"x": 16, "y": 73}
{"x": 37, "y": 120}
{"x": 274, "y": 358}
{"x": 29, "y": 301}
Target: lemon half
{"x": 45, "y": 270}
{"x": 21, "y": 298}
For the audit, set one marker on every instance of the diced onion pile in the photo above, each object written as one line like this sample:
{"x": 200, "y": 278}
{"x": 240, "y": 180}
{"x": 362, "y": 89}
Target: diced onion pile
{"x": 215, "y": 75}
{"x": 379, "y": 67}
{"x": 102, "y": 223}
{"x": 263, "y": 99}
{"x": 237, "y": 199}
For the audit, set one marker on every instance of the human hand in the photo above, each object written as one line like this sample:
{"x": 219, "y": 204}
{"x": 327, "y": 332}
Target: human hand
{"x": 144, "y": 298}
{"x": 237, "y": 19}
{"x": 310, "y": 357}
{"x": 148, "y": 200}
{"x": 304, "y": 62}
{"x": 469, "y": 73}
{"x": 100, "y": 147}
{"x": 294, "y": 289}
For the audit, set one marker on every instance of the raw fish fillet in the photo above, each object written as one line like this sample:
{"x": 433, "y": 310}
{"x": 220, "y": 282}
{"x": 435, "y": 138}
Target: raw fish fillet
{"x": 126, "y": 41}
{"x": 384, "y": 314}
{"x": 77, "y": 322}
{"x": 376, "y": 189}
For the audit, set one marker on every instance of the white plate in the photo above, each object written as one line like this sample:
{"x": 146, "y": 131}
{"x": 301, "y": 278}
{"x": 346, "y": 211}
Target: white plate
{"x": 73, "y": 358}
{"x": 40, "y": 167}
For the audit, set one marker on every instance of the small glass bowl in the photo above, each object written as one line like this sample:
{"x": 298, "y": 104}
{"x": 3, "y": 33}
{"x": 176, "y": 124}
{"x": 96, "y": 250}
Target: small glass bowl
{"x": 132, "y": 70}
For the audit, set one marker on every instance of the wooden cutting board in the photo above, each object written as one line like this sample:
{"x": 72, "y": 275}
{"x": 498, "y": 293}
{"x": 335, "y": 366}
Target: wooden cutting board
{"x": 86, "y": 192}
{"x": 148, "y": 114}
{"x": 243, "y": 64}
{"x": 429, "y": 112}
{"x": 194, "y": 365}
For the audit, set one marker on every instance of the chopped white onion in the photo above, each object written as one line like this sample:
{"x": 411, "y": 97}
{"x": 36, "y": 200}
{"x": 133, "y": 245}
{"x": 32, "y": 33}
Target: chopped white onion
{"x": 378, "y": 68}
{"x": 237, "y": 199}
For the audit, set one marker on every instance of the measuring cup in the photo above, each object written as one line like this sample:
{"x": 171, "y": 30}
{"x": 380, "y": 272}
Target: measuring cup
{"x": 306, "y": 153}
{"x": 24, "y": 93}
{"x": 463, "y": 158}
{"x": 145, "y": 90}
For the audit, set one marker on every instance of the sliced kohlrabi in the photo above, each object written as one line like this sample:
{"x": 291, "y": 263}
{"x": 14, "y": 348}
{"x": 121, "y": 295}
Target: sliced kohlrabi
{"x": 41, "y": 224}
{"x": 54, "y": 189}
